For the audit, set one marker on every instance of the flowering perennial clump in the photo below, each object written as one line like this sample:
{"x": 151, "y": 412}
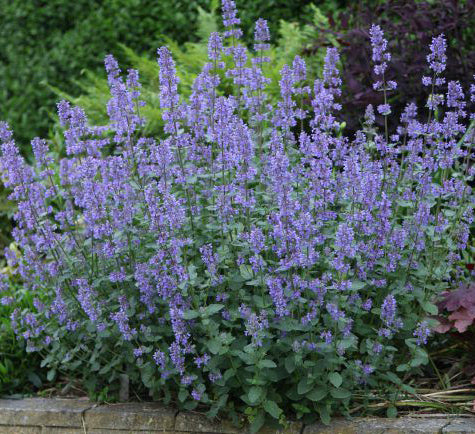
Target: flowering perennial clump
{"x": 252, "y": 259}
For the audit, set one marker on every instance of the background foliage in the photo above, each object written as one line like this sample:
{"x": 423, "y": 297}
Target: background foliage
{"x": 410, "y": 26}
{"x": 54, "y": 41}
{"x": 289, "y": 40}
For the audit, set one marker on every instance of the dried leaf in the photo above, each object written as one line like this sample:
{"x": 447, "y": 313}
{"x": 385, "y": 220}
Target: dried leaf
{"x": 463, "y": 318}
{"x": 463, "y": 297}
{"x": 443, "y": 326}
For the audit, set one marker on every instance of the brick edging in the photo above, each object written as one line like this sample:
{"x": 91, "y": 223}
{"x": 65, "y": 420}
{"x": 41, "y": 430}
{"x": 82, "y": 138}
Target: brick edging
{"x": 79, "y": 416}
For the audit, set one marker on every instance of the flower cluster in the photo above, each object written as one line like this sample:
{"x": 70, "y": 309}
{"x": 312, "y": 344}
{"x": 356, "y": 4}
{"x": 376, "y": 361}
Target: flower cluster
{"x": 240, "y": 251}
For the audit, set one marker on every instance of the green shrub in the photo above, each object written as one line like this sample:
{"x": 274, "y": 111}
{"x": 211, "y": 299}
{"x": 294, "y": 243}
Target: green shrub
{"x": 20, "y": 372}
{"x": 52, "y": 42}
{"x": 292, "y": 38}
{"x": 248, "y": 258}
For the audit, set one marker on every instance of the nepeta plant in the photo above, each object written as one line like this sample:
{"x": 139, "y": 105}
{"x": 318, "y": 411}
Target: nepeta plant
{"x": 234, "y": 263}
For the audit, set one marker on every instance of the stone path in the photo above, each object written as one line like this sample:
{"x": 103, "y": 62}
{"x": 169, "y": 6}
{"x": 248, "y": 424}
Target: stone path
{"x": 78, "y": 416}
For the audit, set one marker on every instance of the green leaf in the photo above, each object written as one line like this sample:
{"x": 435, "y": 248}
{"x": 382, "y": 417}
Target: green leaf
{"x": 340, "y": 393}
{"x": 408, "y": 388}
{"x": 317, "y": 394}
{"x": 190, "y": 314}
{"x": 335, "y": 379}
{"x": 50, "y": 376}
{"x": 290, "y": 364}
{"x": 192, "y": 272}
{"x": 393, "y": 377}
{"x": 105, "y": 369}
{"x": 324, "y": 415}
{"x": 34, "y": 379}
{"x": 391, "y": 411}
{"x": 301, "y": 408}
{"x": 254, "y": 394}
{"x": 357, "y": 284}
{"x": 257, "y": 422}
{"x": 246, "y": 272}
{"x": 213, "y": 308}
{"x": 266, "y": 363}
{"x": 214, "y": 345}
{"x": 272, "y": 408}
{"x": 430, "y": 308}
{"x": 213, "y": 412}
{"x": 304, "y": 386}
{"x": 182, "y": 395}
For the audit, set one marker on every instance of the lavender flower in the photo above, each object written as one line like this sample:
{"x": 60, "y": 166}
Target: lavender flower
{"x": 215, "y": 46}
{"x": 422, "y": 332}
{"x": 255, "y": 325}
{"x": 196, "y": 395}
{"x": 169, "y": 98}
{"x": 327, "y": 337}
{"x": 86, "y": 297}
{"x": 122, "y": 319}
{"x": 261, "y": 36}
{"x": 230, "y": 20}
{"x": 437, "y": 58}
{"x": 379, "y": 46}
{"x": 388, "y": 310}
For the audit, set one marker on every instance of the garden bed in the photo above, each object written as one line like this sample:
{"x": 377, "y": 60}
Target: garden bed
{"x": 253, "y": 259}
{"x": 68, "y": 416}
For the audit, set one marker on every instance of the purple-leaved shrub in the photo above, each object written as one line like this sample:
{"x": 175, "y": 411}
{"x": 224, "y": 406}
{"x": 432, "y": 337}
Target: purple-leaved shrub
{"x": 235, "y": 264}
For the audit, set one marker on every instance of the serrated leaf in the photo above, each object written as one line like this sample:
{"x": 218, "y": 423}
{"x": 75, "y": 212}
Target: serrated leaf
{"x": 402, "y": 368}
{"x": 430, "y": 308}
{"x": 213, "y": 412}
{"x": 246, "y": 272}
{"x": 301, "y": 408}
{"x": 357, "y": 284}
{"x": 393, "y": 377}
{"x": 182, "y": 395}
{"x": 34, "y": 379}
{"x": 105, "y": 369}
{"x": 335, "y": 379}
{"x": 214, "y": 346}
{"x": 408, "y": 388}
{"x": 324, "y": 415}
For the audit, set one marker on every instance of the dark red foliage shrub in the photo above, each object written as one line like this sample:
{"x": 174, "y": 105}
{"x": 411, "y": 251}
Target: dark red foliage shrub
{"x": 410, "y": 25}
{"x": 461, "y": 305}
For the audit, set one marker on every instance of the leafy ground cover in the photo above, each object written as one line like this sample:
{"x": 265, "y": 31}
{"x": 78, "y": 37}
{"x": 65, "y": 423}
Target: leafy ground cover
{"x": 249, "y": 258}
{"x": 19, "y": 374}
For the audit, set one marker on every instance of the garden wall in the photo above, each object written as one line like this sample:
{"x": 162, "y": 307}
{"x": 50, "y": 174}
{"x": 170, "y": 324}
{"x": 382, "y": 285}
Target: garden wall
{"x": 79, "y": 416}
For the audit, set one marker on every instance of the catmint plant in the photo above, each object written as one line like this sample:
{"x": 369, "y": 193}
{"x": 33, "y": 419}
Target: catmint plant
{"x": 243, "y": 262}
